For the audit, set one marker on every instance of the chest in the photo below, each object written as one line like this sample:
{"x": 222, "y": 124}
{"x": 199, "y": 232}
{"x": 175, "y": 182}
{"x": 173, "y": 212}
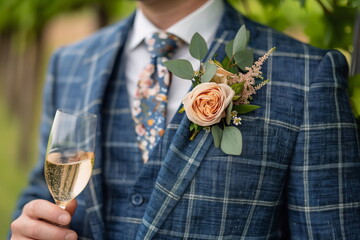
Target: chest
{"x": 224, "y": 187}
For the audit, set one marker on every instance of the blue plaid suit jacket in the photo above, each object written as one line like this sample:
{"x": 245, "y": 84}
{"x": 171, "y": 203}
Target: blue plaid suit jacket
{"x": 297, "y": 178}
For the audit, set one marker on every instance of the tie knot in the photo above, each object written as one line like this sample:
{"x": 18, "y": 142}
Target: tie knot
{"x": 162, "y": 44}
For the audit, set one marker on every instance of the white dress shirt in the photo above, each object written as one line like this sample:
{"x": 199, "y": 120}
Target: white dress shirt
{"x": 136, "y": 56}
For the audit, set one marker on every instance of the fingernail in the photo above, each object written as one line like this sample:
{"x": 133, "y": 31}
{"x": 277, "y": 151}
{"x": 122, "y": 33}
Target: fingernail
{"x": 63, "y": 219}
{"x": 70, "y": 236}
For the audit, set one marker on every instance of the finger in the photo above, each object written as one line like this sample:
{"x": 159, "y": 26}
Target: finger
{"x": 40, "y": 230}
{"x": 28, "y": 228}
{"x": 16, "y": 237}
{"x": 71, "y": 207}
{"x": 16, "y": 228}
{"x": 42, "y": 209}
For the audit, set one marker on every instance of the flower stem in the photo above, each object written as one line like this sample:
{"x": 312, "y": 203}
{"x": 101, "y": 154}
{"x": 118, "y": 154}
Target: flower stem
{"x": 230, "y": 60}
{"x": 233, "y": 65}
{"x": 193, "y": 135}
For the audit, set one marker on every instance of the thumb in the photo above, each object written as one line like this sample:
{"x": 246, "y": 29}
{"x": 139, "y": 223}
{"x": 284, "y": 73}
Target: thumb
{"x": 71, "y": 207}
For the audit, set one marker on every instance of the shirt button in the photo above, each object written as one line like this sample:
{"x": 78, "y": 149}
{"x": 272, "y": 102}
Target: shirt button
{"x": 137, "y": 199}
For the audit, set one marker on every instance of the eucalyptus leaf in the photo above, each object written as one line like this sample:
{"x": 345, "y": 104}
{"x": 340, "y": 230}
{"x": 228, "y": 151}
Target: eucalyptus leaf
{"x": 244, "y": 58}
{"x": 240, "y": 40}
{"x": 210, "y": 70}
{"x": 216, "y": 132}
{"x": 181, "y": 68}
{"x": 228, "y": 113}
{"x": 231, "y": 141}
{"x": 244, "y": 108}
{"x": 229, "y": 49}
{"x": 198, "y": 47}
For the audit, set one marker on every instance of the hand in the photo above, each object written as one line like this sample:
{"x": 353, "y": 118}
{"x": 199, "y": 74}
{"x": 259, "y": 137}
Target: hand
{"x": 38, "y": 220}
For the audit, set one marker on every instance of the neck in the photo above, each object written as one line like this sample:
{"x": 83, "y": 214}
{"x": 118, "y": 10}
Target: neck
{"x": 165, "y": 13}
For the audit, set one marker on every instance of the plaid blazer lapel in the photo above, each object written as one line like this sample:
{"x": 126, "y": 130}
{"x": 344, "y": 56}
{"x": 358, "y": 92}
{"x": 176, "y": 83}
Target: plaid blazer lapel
{"x": 100, "y": 66}
{"x": 179, "y": 166}
{"x": 184, "y": 156}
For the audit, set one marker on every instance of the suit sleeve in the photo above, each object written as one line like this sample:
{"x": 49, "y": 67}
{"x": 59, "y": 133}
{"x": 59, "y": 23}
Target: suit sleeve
{"x": 37, "y": 188}
{"x": 323, "y": 193}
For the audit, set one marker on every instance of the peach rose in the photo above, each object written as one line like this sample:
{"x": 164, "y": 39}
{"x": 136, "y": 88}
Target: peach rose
{"x": 222, "y": 76}
{"x": 206, "y": 103}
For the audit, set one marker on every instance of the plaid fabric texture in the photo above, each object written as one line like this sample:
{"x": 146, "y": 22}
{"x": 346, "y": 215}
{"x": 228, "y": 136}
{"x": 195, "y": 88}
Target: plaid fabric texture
{"x": 298, "y": 176}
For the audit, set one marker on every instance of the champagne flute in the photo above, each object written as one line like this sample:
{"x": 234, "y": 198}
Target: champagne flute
{"x": 70, "y": 155}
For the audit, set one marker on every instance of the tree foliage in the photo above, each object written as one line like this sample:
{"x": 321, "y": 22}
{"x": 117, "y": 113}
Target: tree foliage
{"x": 27, "y": 19}
{"x": 325, "y": 23}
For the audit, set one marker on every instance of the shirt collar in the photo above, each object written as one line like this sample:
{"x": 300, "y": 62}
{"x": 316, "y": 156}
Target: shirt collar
{"x": 185, "y": 28}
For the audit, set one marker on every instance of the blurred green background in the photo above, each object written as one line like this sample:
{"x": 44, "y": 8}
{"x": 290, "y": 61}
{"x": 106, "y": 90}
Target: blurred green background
{"x": 31, "y": 30}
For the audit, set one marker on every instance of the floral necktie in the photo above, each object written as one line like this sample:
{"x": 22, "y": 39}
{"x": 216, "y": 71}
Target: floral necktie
{"x": 150, "y": 102}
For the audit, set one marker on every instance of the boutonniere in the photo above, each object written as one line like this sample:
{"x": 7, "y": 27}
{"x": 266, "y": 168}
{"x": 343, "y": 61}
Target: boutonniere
{"x": 221, "y": 91}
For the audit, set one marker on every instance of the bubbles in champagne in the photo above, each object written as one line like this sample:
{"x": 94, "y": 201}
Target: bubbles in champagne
{"x": 67, "y": 175}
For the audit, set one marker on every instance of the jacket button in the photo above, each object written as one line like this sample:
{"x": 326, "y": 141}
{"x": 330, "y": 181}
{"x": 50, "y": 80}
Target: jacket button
{"x": 137, "y": 199}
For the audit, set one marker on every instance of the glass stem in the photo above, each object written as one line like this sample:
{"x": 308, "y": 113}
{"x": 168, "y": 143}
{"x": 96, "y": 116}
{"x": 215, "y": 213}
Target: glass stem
{"x": 61, "y": 204}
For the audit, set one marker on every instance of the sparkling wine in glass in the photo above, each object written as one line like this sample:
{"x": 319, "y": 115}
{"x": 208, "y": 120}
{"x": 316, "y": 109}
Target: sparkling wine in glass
{"x": 70, "y": 154}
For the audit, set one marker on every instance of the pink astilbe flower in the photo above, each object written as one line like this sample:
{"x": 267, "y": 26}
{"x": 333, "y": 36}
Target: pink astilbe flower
{"x": 249, "y": 77}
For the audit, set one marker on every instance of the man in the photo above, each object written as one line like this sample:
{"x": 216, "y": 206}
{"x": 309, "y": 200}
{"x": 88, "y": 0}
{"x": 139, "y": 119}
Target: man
{"x": 298, "y": 174}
